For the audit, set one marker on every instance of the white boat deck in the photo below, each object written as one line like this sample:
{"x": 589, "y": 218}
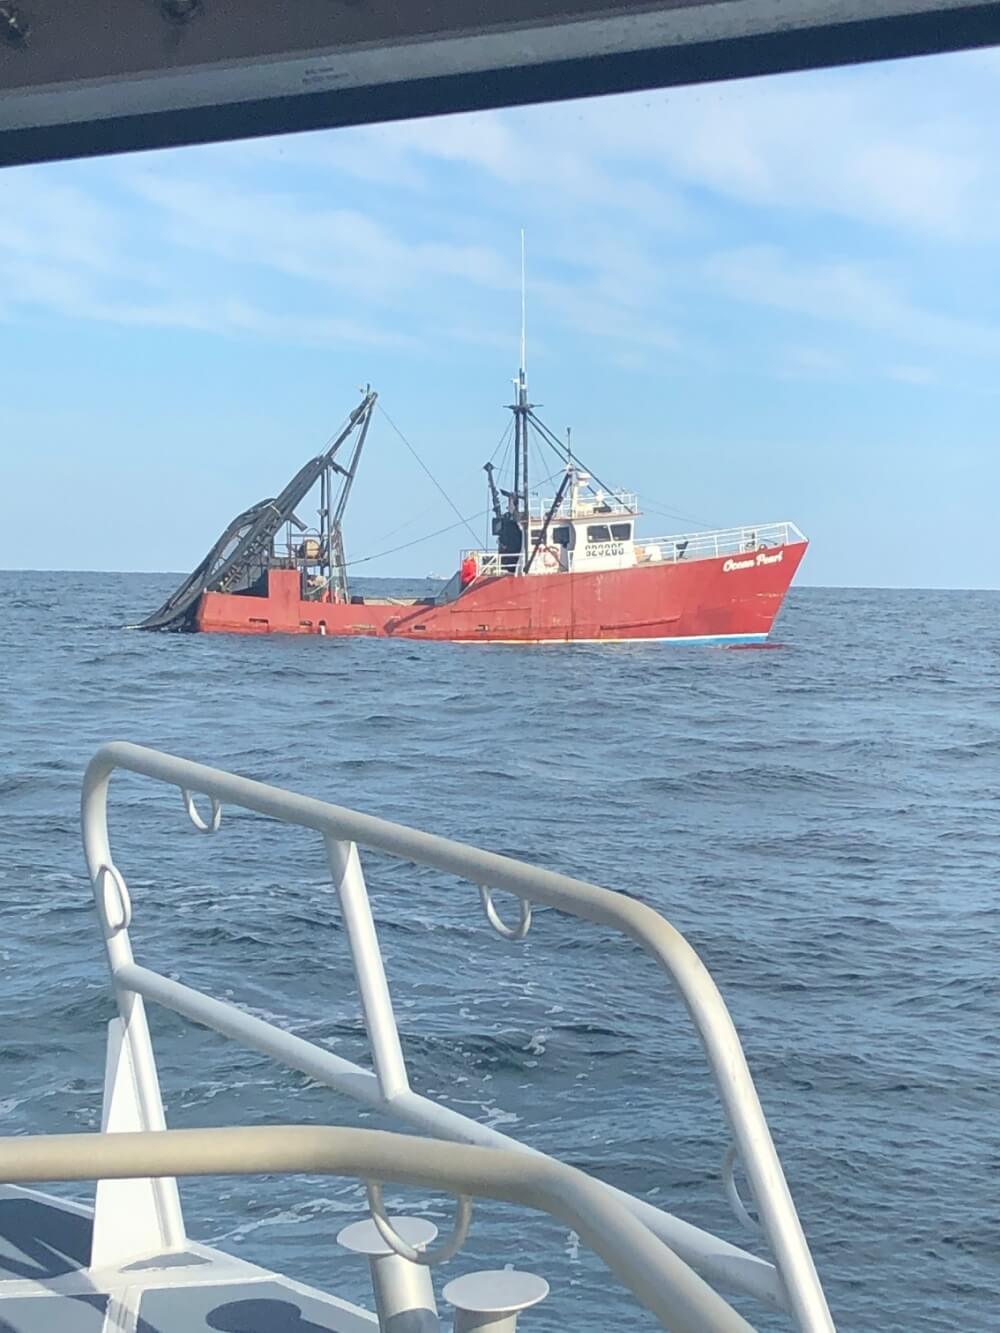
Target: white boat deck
{"x": 47, "y": 1285}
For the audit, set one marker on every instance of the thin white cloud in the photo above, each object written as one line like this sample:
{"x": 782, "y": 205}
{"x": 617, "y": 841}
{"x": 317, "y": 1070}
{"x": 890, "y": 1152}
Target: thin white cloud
{"x": 918, "y": 375}
{"x": 891, "y": 146}
{"x": 541, "y": 159}
{"x": 606, "y": 288}
{"x": 856, "y": 147}
{"x": 69, "y": 293}
{"x": 637, "y": 208}
{"x": 806, "y": 362}
{"x": 339, "y": 246}
{"x": 843, "y": 291}
{"x": 73, "y": 295}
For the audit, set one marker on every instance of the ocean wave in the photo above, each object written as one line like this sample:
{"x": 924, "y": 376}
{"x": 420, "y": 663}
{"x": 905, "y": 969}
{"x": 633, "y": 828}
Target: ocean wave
{"x": 819, "y": 821}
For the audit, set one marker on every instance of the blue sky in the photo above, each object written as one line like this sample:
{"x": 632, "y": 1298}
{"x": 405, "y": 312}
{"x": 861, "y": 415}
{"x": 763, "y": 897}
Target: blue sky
{"x": 751, "y": 301}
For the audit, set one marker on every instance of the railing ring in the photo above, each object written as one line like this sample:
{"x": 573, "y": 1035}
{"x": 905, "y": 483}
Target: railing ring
{"x": 506, "y": 932}
{"x": 121, "y": 917}
{"x": 745, "y": 1218}
{"x": 439, "y": 1253}
{"x": 214, "y": 819}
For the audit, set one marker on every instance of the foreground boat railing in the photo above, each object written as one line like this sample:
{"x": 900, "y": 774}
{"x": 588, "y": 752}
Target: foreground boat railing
{"x": 132, "y": 1093}
{"x": 648, "y": 1268}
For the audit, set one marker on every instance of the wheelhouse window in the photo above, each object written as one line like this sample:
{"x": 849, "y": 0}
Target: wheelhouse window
{"x": 622, "y": 532}
{"x": 560, "y": 536}
{"x": 598, "y": 532}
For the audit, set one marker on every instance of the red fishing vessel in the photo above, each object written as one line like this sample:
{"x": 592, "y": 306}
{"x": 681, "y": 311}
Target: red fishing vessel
{"x": 570, "y": 567}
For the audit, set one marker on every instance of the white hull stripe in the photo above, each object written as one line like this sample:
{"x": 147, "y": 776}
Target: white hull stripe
{"x": 685, "y": 639}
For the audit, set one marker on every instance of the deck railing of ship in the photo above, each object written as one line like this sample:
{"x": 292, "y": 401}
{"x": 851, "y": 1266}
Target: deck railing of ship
{"x": 611, "y": 504}
{"x": 746, "y": 541}
{"x": 789, "y": 1283}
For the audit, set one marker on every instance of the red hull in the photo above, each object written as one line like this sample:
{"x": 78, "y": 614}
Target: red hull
{"x": 732, "y": 598}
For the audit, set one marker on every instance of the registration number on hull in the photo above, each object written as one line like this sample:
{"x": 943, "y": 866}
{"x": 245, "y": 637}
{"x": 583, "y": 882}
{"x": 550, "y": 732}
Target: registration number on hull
{"x": 601, "y": 550}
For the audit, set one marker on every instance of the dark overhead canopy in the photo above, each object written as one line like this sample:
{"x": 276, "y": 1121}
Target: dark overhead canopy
{"x": 99, "y": 76}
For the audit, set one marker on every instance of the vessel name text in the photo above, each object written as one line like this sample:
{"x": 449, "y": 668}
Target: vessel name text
{"x": 751, "y": 562}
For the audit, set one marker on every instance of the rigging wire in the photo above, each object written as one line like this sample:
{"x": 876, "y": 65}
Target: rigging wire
{"x": 430, "y": 474}
{"x": 504, "y": 461}
{"x": 417, "y": 517}
{"x": 552, "y": 476}
{"x": 548, "y": 436}
{"x": 539, "y": 481}
{"x": 503, "y": 440}
{"x": 508, "y": 440}
{"x": 400, "y": 527}
{"x": 539, "y": 459}
{"x": 503, "y": 443}
{"x": 655, "y": 508}
{"x": 364, "y": 560}
{"x": 683, "y": 518}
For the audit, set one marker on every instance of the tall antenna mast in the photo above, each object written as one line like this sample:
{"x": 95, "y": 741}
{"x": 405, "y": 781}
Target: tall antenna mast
{"x": 521, "y": 410}
{"x": 524, "y": 366}
{"x": 520, "y": 507}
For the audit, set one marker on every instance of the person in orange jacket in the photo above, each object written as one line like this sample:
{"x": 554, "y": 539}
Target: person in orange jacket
{"x": 468, "y": 571}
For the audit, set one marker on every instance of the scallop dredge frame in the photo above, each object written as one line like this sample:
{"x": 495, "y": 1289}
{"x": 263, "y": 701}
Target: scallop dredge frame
{"x": 240, "y": 559}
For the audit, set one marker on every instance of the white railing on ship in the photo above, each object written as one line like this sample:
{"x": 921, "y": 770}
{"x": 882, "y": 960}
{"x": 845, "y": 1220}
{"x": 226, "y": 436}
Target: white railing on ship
{"x": 790, "y": 1283}
{"x": 748, "y": 541}
{"x": 722, "y": 541}
{"x": 491, "y": 564}
{"x": 587, "y": 506}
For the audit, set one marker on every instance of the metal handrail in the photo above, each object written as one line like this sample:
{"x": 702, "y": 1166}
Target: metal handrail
{"x": 492, "y": 564}
{"x": 722, "y": 541}
{"x": 798, "y": 1288}
{"x": 656, "y": 1277}
{"x": 620, "y": 503}
{"x": 686, "y": 546}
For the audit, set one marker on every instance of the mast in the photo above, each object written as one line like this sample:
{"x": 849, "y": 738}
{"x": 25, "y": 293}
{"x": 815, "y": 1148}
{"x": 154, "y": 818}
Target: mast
{"x": 337, "y": 561}
{"x": 522, "y": 398}
{"x": 326, "y": 567}
{"x": 522, "y": 409}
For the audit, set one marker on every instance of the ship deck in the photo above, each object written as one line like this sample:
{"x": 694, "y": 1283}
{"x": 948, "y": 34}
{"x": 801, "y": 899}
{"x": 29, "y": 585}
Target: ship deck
{"x": 46, "y": 1285}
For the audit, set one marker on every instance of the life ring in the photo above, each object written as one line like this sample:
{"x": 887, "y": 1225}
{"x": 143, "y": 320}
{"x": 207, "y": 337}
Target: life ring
{"x": 550, "y": 558}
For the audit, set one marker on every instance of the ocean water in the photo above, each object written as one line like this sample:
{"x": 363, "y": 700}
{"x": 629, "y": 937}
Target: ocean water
{"x": 820, "y": 819}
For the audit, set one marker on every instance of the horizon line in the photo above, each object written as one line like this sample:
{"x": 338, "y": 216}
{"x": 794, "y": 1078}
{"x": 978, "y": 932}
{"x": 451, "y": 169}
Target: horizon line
{"x": 798, "y": 586}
